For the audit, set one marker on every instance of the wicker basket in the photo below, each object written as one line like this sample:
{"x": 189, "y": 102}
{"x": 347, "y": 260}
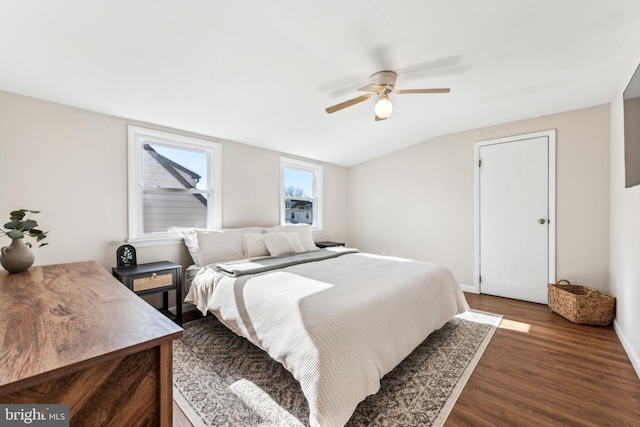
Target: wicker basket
{"x": 580, "y": 304}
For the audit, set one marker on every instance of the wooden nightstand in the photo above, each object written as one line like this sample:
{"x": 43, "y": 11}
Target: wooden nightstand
{"x": 328, "y": 244}
{"x": 163, "y": 276}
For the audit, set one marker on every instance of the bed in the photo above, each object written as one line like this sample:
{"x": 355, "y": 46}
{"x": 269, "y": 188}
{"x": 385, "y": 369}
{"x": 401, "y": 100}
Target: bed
{"x": 337, "y": 319}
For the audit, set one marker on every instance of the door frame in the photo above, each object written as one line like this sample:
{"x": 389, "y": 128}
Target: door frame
{"x": 551, "y": 192}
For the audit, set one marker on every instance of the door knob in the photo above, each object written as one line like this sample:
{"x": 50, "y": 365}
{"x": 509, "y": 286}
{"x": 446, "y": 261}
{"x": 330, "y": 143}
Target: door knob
{"x": 541, "y": 221}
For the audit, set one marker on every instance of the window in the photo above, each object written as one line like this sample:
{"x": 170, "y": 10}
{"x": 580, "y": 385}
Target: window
{"x": 301, "y": 187}
{"x": 174, "y": 183}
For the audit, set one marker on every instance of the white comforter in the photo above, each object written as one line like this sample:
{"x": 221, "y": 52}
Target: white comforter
{"x": 337, "y": 325}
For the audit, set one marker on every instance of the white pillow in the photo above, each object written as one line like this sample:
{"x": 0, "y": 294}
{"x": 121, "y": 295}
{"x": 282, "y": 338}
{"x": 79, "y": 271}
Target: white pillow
{"x": 278, "y": 244}
{"x": 304, "y": 230}
{"x": 294, "y": 238}
{"x": 191, "y": 243}
{"x": 254, "y": 245}
{"x": 189, "y": 234}
{"x": 222, "y": 245}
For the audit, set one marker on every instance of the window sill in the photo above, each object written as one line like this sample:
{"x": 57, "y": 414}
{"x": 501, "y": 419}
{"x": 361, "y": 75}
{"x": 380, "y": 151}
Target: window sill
{"x": 156, "y": 241}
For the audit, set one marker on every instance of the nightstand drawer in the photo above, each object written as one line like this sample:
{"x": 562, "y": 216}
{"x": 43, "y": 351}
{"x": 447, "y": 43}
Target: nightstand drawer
{"x": 152, "y": 282}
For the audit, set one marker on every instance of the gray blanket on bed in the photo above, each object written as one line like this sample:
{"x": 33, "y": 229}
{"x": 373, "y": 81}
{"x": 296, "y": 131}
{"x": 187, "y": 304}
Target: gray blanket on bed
{"x": 262, "y": 264}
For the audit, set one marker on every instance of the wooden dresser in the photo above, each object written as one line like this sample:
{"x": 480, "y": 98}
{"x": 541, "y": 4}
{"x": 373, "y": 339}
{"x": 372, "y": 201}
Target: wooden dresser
{"x": 72, "y": 334}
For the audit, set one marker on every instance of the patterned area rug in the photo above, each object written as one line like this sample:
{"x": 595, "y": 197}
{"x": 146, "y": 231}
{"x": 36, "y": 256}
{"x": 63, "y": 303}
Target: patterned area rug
{"x": 221, "y": 379}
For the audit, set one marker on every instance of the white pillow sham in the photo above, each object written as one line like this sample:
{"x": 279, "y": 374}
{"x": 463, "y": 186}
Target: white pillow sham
{"x": 278, "y": 244}
{"x": 294, "y": 238}
{"x": 303, "y": 230}
{"x": 191, "y": 243}
{"x": 222, "y": 245}
{"x": 254, "y": 245}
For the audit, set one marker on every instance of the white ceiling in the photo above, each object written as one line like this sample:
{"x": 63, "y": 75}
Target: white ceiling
{"x": 262, "y": 72}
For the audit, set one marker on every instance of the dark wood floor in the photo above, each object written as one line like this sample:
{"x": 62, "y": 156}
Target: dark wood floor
{"x": 542, "y": 370}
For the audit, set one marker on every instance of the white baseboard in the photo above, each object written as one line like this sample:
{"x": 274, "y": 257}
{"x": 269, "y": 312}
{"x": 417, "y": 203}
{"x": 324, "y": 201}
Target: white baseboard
{"x": 633, "y": 356}
{"x": 470, "y": 289}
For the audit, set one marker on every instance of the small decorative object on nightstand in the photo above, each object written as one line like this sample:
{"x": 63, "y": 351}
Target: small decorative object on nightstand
{"x": 126, "y": 256}
{"x": 328, "y": 244}
{"x": 163, "y": 276}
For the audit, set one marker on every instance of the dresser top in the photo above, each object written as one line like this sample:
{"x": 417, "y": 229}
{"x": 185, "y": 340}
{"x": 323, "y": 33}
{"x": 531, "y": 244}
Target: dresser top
{"x": 57, "y": 319}
{"x": 146, "y": 268}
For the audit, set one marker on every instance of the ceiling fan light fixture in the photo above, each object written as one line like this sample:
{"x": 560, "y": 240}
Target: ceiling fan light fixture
{"x": 383, "y": 108}
{"x": 381, "y": 84}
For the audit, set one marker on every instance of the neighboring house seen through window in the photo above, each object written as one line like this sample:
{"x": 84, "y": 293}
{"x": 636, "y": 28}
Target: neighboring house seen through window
{"x": 301, "y": 187}
{"x": 173, "y": 184}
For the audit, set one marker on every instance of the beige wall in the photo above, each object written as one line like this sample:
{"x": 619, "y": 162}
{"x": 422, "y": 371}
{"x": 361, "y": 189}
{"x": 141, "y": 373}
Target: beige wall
{"x": 419, "y": 202}
{"x": 72, "y": 165}
{"x": 625, "y": 234}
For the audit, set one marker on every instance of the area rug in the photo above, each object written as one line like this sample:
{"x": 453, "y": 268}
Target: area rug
{"x": 221, "y": 379}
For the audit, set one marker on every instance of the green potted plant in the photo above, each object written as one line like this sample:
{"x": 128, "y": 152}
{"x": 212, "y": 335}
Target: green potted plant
{"x": 18, "y": 256}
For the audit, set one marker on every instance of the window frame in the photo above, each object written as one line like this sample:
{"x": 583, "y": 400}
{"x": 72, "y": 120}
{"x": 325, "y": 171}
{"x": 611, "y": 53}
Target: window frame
{"x": 316, "y": 169}
{"x": 137, "y": 138}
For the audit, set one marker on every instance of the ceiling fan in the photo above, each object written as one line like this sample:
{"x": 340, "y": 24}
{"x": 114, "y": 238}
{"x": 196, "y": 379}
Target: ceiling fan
{"x": 381, "y": 84}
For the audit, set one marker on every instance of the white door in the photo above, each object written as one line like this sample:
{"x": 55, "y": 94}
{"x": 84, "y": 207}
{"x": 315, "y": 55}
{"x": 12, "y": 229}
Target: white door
{"x": 515, "y": 210}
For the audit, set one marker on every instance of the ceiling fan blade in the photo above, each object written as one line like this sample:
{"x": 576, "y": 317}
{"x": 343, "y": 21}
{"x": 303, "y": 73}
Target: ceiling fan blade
{"x": 371, "y": 88}
{"x": 379, "y": 118}
{"x": 348, "y": 103}
{"x": 442, "y": 90}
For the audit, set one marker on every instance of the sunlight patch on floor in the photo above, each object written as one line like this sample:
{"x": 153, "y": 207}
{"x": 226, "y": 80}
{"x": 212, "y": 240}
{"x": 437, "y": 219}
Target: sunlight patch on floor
{"x": 480, "y": 317}
{"x": 513, "y": 325}
{"x": 263, "y": 405}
